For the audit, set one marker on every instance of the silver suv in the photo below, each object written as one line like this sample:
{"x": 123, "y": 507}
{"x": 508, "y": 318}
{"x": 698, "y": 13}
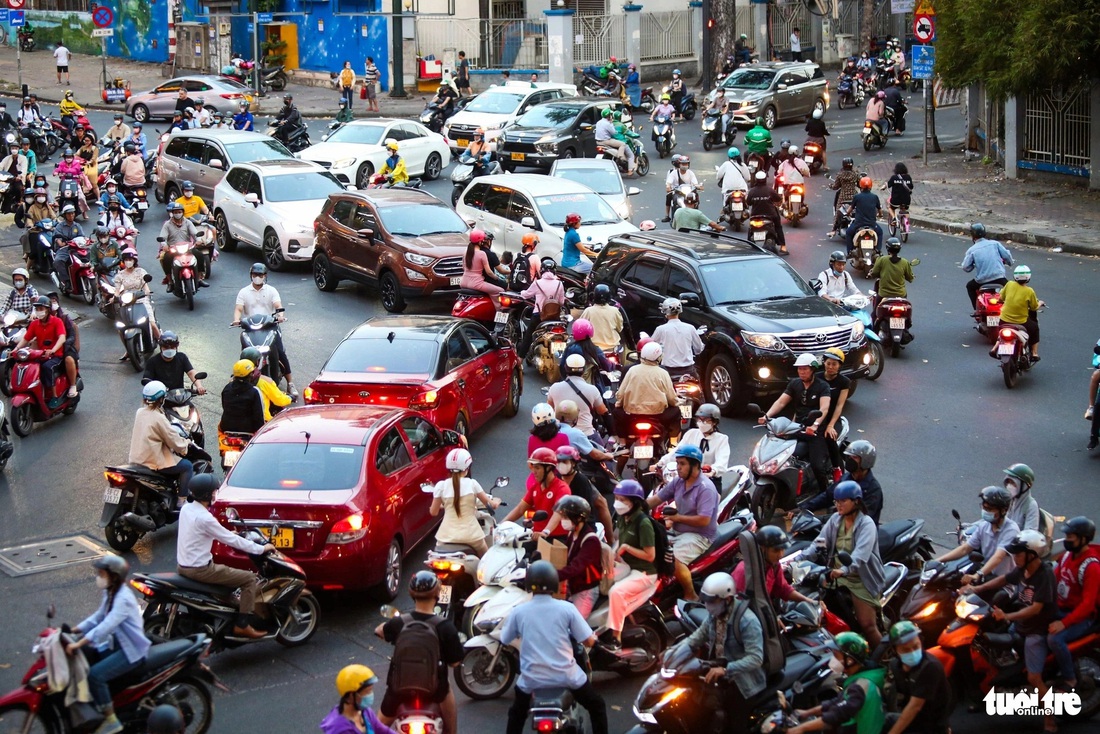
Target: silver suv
{"x": 203, "y": 156}
{"x": 775, "y": 91}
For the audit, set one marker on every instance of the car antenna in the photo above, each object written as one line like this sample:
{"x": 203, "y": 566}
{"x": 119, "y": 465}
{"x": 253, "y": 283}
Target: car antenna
{"x": 308, "y": 436}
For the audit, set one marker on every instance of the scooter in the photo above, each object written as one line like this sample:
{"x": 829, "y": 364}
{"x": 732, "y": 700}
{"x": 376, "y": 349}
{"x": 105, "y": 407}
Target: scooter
{"x": 230, "y": 446}
{"x": 68, "y": 194}
{"x": 734, "y": 210}
{"x": 261, "y": 331}
{"x": 81, "y": 281}
{"x": 26, "y": 39}
{"x": 134, "y": 326}
{"x": 29, "y": 404}
{"x": 479, "y": 306}
{"x": 419, "y": 714}
{"x": 274, "y": 77}
{"x": 931, "y": 603}
{"x": 874, "y": 135}
{"x": 794, "y": 206}
{"x": 433, "y": 117}
{"x": 849, "y": 92}
{"x": 865, "y": 252}
{"x": 1012, "y": 351}
{"x": 762, "y": 232}
{"x": 204, "y": 250}
{"x": 641, "y": 160}
{"x": 296, "y": 138}
{"x": 463, "y": 173}
{"x": 138, "y": 197}
{"x": 180, "y": 410}
{"x": 811, "y": 154}
{"x": 859, "y": 306}
{"x": 385, "y": 181}
{"x": 687, "y": 107}
{"x": 184, "y": 281}
{"x": 713, "y": 133}
{"x": 663, "y": 136}
{"x": 679, "y": 198}
{"x": 12, "y": 331}
{"x": 549, "y": 341}
{"x": 893, "y": 319}
{"x": 987, "y": 315}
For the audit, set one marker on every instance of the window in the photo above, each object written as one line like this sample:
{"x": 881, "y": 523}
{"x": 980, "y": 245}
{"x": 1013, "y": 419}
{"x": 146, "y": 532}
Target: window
{"x": 396, "y": 133}
{"x": 478, "y": 339}
{"x": 252, "y": 184}
{"x": 212, "y": 152}
{"x": 392, "y": 453}
{"x": 475, "y": 196}
{"x": 237, "y": 179}
{"x": 364, "y": 218}
{"x": 195, "y": 150}
{"x": 458, "y": 352}
{"x": 680, "y": 281}
{"x": 646, "y": 273}
{"x": 175, "y": 147}
{"x": 411, "y": 132}
{"x": 377, "y": 354}
{"x": 424, "y": 437}
{"x": 520, "y": 208}
{"x": 790, "y": 79}
{"x": 588, "y": 117}
{"x": 169, "y": 88}
{"x": 497, "y": 201}
{"x": 194, "y": 85}
{"x": 343, "y": 211}
{"x": 299, "y": 466}
{"x": 305, "y": 186}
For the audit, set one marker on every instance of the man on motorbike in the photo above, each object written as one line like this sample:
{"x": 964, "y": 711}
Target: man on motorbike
{"x": 192, "y": 204}
{"x": 680, "y": 175}
{"x": 773, "y": 543}
{"x": 1077, "y": 573}
{"x": 110, "y": 188}
{"x": 808, "y": 393}
{"x": 64, "y": 233}
{"x": 923, "y": 690}
{"x": 990, "y": 535}
{"x": 22, "y": 295}
{"x": 197, "y": 532}
{"x": 689, "y": 217}
{"x": 866, "y": 211}
{"x": 646, "y": 392}
{"x": 573, "y": 248}
{"x": 26, "y": 150}
{"x": 1024, "y": 510}
{"x": 988, "y": 258}
{"x": 549, "y": 295}
{"x": 758, "y": 141}
{"x": 288, "y": 120}
{"x": 679, "y": 340}
{"x": 345, "y": 115}
{"x": 895, "y": 101}
{"x": 714, "y": 445}
{"x": 892, "y": 271}
{"x": 859, "y": 708}
{"x": 695, "y": 520}
{"x": 172, "y": 365}
{"x": 71, "y": 350}
{"x": 176, "y": 230}
{"x": 1020, "y": 307}
{"x": 242, "y": 405}
{"x": 269, "y": 391}
{"x": 156, "y": 444}
{"x": 118, "y": 130}
{"x": 47, "y": 332}
{"x": 836, "y": 282}
{"x": 548, "y": 629}
{"x": 568, "y": 466}
{"x": 178, "y": 122}
{"x": 261, "y": 298}
{"x": 876, "y": 113}
{"x": 761, "y": 200}
{"x": 733, "y": 175}
{"x": 28, "y": 114}
{"x": 816, "y": 132}
{"x": 243, "y": 120}
{"x": 478, "y": 152}
{"x": 605, "y": 136}
{"x": 732, "y": 633}
{"x": 393, "y": 168}
{"x": 606, "y": 319}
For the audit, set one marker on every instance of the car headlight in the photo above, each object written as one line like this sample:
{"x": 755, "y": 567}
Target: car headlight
{"x": 623, "y": 210}
{"x": 416, "y": 259}
{"x": 765, "y": 341}
{"x": 547, "y": 148}
{"x": 857, "y": 332}
{"x": 344, "y": 163}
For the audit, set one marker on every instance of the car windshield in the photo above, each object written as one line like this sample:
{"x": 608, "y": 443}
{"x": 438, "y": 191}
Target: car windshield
{"x": 749, "y": 79}
{"x": 382, "y": 355}
{"x": 600, "y": 180}
{"x": 358, "y": 134}
{"x": 592, "y": 208}
{"x": 301, "y": 186}
{"x": 752, "y": 280}
{"x": 257, "y": 150}
{"x": 417, "y": 221}
{"x": 497, "y": 103}
{"x": 312, "y": 466}
{"x": 548, "y": 115}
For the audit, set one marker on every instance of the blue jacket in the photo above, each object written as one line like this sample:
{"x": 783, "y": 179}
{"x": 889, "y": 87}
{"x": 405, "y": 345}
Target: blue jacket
{"x": 243, "y": 121}
{"x": 988, "y": 258}
{"x": 120, "y": 627}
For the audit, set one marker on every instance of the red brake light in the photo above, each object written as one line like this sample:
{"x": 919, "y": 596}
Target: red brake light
{"x": 424, "y": 400}
{"x": 114, "y": 478}
{"x": 290, "y": 483}
{"x": 142, "y": 587}
{"x": 348, "y": 530}
{"x": 557, "y": 330}
{"x": 505, "y": 302}
{"x": 897, "y": 309}
{"x": 1007, "y": 334}
{"x": 643, "y": 426}
{"x": 235, "y": 95}
{"x": 547, "y": 725}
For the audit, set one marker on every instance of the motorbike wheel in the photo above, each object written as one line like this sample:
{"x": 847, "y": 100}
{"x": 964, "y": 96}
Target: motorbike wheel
{"x": 642, "y": 165}
{"x": 689, "y": 112}
{"x": 306, "y": 614}
{"x": 1088, "y": 687}
{"x": 653, "y": 645}
{"x": 22, "y": 420}
{"x": 895, "y": 349}
{"x": 189, "y": 294}
{"x": 89, "y": 288}
{"x": 878, "y": 361}
{"x": 708, "y": 144}
{"x": 121, "y": 536}
{"x": 20, "y": 718}
{"x": 764, "y": 503}
{"x": 278, "y": 82}
{"x": 5, "y": 379}
{"x": 1008, "y": 367}
{"x": 136, "y": 356}
{"x": 867, "y": 142}
{"x": 54, "y": 142}
{"x": 455, "y": 193}
{"x": 139, "y": 217}
{"x": 475, "y": 679}
{"x": 192, "y": 698}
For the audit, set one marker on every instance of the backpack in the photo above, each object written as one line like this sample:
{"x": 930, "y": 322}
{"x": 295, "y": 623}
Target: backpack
{"x": 520, "y": 277}
{"x": 662, "y": 557}
{"x": 551, "y": 310}
{"x": 416, "y": 656}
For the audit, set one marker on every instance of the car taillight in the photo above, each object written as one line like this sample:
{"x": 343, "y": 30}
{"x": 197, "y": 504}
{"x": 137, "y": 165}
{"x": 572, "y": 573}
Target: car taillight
{"x": 425, "y": 400}
{"x": 348, "y": 530}
{"x": 235, "y": 95}
{"x": 310, "y": 395}
{"x": 114, "y": 478}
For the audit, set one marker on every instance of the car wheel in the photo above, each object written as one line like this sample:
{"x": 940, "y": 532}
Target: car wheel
{"x": 507, "y": 166}
{"x": 226, "y": 242}
{"x": 141, "y": 113}
{"x": 569, "y": 153}
{"x": 362, "y": 176}
{"x": 722, "y": 384}
{"x": 273, "y": 251}
{"x": 770, "y": 117}
{"x": 390, "y": 586}
{"x": 433, "y": 167}
{"x": 390, "y": 287}
{"x": 462, "y": 426}
{"x": 322, "y": 274}
{"x": 515, "y": 389}
{"x": 171, "y": 192}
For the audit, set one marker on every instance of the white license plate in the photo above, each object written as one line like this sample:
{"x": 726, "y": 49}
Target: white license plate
{"x": 643, "y": 452}
{"x": 614, "y": 376}
{"x": 992, "y": 320}
{"x": 809, "y": 159}
{"x": 230, "y": 458}
{"x": 867, "y": 244}
{"x": 685, "y": 411}
{"x": 143, "y": 205}
{"x": 796, "y": 198}
{"x": 112, "y": 495}
{"x": 760, "y": 236}
{"x": 456, "y": 281}
{"x": 739, "y": 207}
{"x": 501, "y": 317}
{"x": 896, "y": 323}
{"x": 444, "y": 595}
{"x": 1006, "y": 348}
{"x": 558, "y": 348}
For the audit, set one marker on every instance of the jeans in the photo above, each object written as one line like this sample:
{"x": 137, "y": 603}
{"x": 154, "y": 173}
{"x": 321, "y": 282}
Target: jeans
{"x": 1059, "y": 647}
{"x": 184, "y": 470}
{"x": 585, "y": 695}
{"x": 346, "y": 95}
{"x": 61, "y": 265}
{"x": 107, "y": 669}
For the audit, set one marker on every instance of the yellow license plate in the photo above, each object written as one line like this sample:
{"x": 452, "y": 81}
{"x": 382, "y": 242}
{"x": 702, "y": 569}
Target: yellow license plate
{"x": 284, "y": 538}
{"x": 518, "y": 156}
{"x": 462, "y": 143}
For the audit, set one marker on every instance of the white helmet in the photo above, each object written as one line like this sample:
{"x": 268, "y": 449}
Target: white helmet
{"x": 1030, "y": 540}
{"x": 817, "y": 114}
{"x": 717, "y": 586}
{"x": 20, "y": 272}
{"x": 459, "y": 460}
{"x": 153, "y": 391}
{"x": 793, "y": 150}
{"x": 542, "y": 413}
{"x": 575, "y": 362}
{"x": 806, "y": 360}
{"x": 671, "y": 305}
{"x": 652, "y": 352}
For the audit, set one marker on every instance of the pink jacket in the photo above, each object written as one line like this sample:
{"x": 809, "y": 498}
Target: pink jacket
{"x": 74, "y": 169}
{"x": 546, "y": 288}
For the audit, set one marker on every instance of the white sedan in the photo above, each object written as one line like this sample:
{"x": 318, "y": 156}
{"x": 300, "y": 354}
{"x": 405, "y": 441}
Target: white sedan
{"x": 356, "y": 150}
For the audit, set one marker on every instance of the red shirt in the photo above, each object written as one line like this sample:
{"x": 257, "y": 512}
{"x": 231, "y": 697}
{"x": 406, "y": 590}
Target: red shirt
{"x": 1077, "y": 599}
{"x": 45, "y": 334}
{"x": 560, "y": 440}
{"x": 545, "y": 498}
{"x": 774, "y": 580}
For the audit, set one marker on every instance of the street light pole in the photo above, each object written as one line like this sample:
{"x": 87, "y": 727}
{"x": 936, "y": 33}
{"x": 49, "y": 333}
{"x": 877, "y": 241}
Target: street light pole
{"x": 708, "y": 44}
{"x": 398, "y": 91}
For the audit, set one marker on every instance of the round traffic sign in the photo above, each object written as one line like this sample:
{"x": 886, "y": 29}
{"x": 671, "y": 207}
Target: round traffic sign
{"x": 924, "y": 27}
{"x": 102, "y": 16}
{"x": 16, "y": 4}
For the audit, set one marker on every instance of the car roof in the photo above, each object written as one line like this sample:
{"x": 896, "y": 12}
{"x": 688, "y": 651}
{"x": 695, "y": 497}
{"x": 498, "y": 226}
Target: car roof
{"x": 536, "y": 183}
{"x": 581, "y": 163}
{"x": 411, "y": 326}
{"x": 225, "y": 136}
{"x": 380, "y": 197}
{"x": 280, "y": 166}
{"x": 581, "y": 101}
{"x": 777, "y": 65}
{"x": 517, "y": 85}
{"x": 376, "y": 122}
{"x": 340, "y": 424}
{"x": 694, "y": 244}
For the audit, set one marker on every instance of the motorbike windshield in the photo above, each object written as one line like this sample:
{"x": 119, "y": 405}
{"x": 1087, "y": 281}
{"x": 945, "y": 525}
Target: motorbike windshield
{"x": 419, "y": 221}
{"x": 751, "y": 281}
{"x": 358, "y": 135}
{"x": 749, "y": 79}
{"x": 301, "y": 186}
{"x": 299, "y": 466}
{"x": 592, "y": 208}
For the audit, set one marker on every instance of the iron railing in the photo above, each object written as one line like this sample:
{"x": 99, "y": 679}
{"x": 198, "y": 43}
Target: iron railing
{"x": 601, "y": 37}
{"x": 499, "y": 43}
{"x": 667, "y": 36}
{"x": 1057, "y": 126}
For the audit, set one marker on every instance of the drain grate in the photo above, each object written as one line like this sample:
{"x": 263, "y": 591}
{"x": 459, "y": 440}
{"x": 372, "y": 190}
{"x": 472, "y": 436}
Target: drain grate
{"x": 47, "y": 555}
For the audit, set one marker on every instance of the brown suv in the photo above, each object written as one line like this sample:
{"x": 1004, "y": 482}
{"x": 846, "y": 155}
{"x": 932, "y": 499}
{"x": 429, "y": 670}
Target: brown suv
{"x": 406, "y": 241}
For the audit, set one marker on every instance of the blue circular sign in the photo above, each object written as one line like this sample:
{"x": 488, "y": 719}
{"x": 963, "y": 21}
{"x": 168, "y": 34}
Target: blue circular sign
{"x": 102, "y": 16}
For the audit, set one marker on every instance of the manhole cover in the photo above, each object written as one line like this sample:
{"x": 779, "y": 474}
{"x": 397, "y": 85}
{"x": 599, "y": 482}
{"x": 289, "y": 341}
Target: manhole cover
{"x": 47, "y": 555}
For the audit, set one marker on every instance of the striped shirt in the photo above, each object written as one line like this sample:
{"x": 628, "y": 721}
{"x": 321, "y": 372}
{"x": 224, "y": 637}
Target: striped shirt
{"x": 371, "y": 75}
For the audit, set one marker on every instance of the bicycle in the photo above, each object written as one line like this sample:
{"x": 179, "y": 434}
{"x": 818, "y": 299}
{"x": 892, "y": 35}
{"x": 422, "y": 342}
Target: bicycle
{"x": 899, "y": 222}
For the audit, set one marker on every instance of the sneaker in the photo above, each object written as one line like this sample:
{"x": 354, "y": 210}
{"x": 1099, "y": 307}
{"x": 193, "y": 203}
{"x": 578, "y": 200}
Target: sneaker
{"x": 666, "y": 219}
{"x": 73, "y": 392}
{"x": 291, "y": 390}
{"x": 110, "y": 725}
{"x": 1088, "y": 413}
{"x": 1093, "y": 443}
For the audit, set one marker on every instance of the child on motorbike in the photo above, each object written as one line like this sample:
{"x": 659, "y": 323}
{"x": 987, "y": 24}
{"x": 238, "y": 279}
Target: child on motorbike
{"x": 901, "y": 189}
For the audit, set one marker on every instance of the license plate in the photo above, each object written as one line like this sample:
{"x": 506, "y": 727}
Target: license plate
{"x": 739, "y": 207}
{"x": 143, "y": 205}
{"x": 558, "y": 348}
{"x": 518, "y": 156}
{"x": 685, "y": 411}
{"x": 461, "y": 143}
{"x": 112, "y": 495}
{"x": 614, "y": 376}
{"x": 643, "y": 452}
{"x": 456, "y": 281}
{"x": 1006, "y": 348}
{"x": 992, "y": 320}
{"x": 896, "y": 323}
{"x": 444, "y": 595}
{"x": 230, "y": 458}
{"x": 283, "y": 539}
{"x": 796, "y": 198}
{"x": 867, "y": 244}
{"x": 809, "y": 159}
{"x": 760, "y": 236}
{"x": 501, "y": 317}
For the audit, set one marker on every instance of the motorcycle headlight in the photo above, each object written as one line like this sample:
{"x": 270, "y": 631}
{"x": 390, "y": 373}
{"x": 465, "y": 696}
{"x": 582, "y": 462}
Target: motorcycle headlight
{"x": 857, "y": 332}
{"x": 965, "y": 610}
{"x": 417, "y": 259}
{"x": 127, "y": 298}
{"x": 142, "y": 320}
{"x": 344, "y": 163}
{"x": 766, "y": 341}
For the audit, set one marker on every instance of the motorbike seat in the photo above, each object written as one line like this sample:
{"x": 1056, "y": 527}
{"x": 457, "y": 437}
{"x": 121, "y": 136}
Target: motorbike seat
{"x": 185, "y": 583}
{"x": 796, "y": 665}
{"x": 698, "y": 615}
{"x": 1002, "y": 639}
{"x": 453, "y": 548}
{"x": 471, "y": 292}
{"x": 159, "y": 656}
{"x": 889, "y": 532}
{"x": 990, "y": 288}
{"x": 727, "y": 531}
{"x": 892, "y": 574}
{"x": 551, "y": 698}
{"x": 142, "y": 470}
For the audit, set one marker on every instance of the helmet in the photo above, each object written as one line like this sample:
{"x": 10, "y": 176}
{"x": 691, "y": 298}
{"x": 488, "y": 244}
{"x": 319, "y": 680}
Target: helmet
{"x": 354, "y": 678}
{"x": 1022, "y": 472}
{"x": 477, "y": 236}
{"x": 543, "y": 455}
{"x": 152, "y": 391}
{"x": 257, "y": 269}
{"x": 675, "y": 72}
{"x": 685, "y": 160}
{"x": 648, "y": 225}
{"x": 130, "y": 252}
{"x": 818, "y": 113}
{"x": 893, "y": 245}
{"x": 1022, "y": 274}
{"x": 530, "y": 240}
{"x": 243, "y": 104}
{"x": 606, "y": 112}
{"x": 129, "y": 148}
{"x": 665, "y": 97}
{"x": 601, "y": 293}
{"x": 865, "y": 183}
{"x": 546, "y": 265}
{"x": 671, "y": 305}
{"x": 68, "y": 209}
{"x": 676, "y": 160}
{"x": 459, "y": 460}
{"x": 614, "y": 60}
{"x": 689, "y": 452}
{"x": 837, "y": 256}
{"x": 165, "y": 719}
{"x": 243, "y": 368}
{"x": 187, "y": 186}
{"x": 542, "y": 578}
{"x": 760, "y": 122}
{"x": 743, "y": 36}
{"x": 880, "y": 95}
{"x": 806, "y": 360}
{"x": 733, "y": 152}
{"x": 574, "y": 364}
{"x": 202, "y": 487}
{"x": 572, "y": 219}
{"x": 792, "y": 150}
{"x": 573, "y": 507}
{"x": 1080, "y": 526}
{"x": 177, "y": 113}
{"x": 391, "y": 144}
{"x": 252, "y": 354}
{"x": 785, "y": 144}
{"x": 568, "y": 411}
{"x": 68, "y": 92}
{"x": 864, "y": 451}
{"x": 997, "y": 497}
{"x": 111, "y": 563}
{"x": 582, "y": 329}
{"x": 629, "y": 488}
{"x": 848, "y": 164}
{"x": 288, "y": 97}
{"x": 20, "y": 272}
{"x": 1028, "y": 540}
{"x": 617, "y": 116}
{"x": 41, "y": 302}
{"x": 761, "y": 176}
{"x": 568, "y": 453}
{"x": 174, "y": 206}
{"x": 691, "y": 198}
{"x": 904, "y": 632}
{"x": 709, "y": 411}
{"x": 423, "y": 585}
{"x": 853, "y": 645}
{"x": 652, "y": 352}
{"x": 833, "y": 353}
{"x": 113, "y": 199}
{"x": 717, "y": 586}
{"x": 542, "y": 413}
{"x": 771, "y": 536}
{"x": 977, "y": 229}
{"x": 168, "y": 337}
{"x": 848, "y": 490}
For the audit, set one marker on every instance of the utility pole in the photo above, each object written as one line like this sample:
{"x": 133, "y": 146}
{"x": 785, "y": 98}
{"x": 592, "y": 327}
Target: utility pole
{"x": 708, "y": 44}
{"x": 398, "y": 91}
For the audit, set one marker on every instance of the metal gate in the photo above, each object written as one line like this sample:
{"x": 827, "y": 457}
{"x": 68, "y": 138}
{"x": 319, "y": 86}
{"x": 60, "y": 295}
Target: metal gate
{"x": 1057, "y": 127}
{"x": 602, "y": 36}
{"x": 848, "y": 19}
{"x": 785, "y": 17}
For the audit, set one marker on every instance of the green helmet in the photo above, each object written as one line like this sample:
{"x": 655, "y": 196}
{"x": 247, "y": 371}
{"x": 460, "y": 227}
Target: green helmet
{"x": 760, "y": 122}
{"x": 904, "y": 632}
{"x": 617, "y": 116}
{"x": 252, "y": 354}
{"x": 853, "y": 645}
{"x": 606, "y": 112}
{"x": 1022, "y": 472}
{"x": 1021, "y": 274}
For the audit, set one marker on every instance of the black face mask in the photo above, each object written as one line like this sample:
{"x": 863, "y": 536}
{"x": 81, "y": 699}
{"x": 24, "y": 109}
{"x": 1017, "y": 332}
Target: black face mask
{"x": 851, "y": 464}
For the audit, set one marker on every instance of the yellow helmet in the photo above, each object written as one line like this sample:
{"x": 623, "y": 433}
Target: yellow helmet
{"x": 243, "y": 368}
{"x": 833, "y": 353}
{"x": 353, "y": 678}
{"x": 391, "y": 144}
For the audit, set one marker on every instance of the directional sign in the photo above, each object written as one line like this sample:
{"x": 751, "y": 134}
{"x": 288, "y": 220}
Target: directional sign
{"x": 924, "y": 27}
{"x": 103, "y": 32}
{"x": 17, "y": 18}
{"x": 924, "y": 59}
{"x": 102, "y": 16}
{"x": 4, "y": 15}
{"x": 265, "y": 17}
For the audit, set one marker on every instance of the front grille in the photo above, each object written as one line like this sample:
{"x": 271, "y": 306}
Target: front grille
{"x": 448, "y": 267}
{"x": 462, "y": 131}
{"x": 514, "y": 146}
{"x": 817, "y": 340}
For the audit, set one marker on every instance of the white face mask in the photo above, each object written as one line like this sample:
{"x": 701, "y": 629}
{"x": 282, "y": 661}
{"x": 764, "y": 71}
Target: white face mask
{"x": 622, "y": 508}
{"x": 257, "y": 280}
{"x": 1013, "y": 487}
{"x": 567, "y": 525}
{"x": 565, "y": 467}
{"x": 704, "y": 426}
{"x": 836, "y": 667}
{"x": 128, "y": 264}
{"x": 40, "y": 199}
{"x": 19, "y": 284}
{"x": 40, "y": 313}
{"x": 101, "y": 582}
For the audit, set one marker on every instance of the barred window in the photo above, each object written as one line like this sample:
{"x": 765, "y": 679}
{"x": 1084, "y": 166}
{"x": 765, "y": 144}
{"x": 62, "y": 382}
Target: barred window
{"x": 64, "y": 6}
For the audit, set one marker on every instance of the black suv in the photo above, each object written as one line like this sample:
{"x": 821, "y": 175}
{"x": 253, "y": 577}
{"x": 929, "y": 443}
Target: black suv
{"x": 759, "y": 313}
{"x": 564, "y": 128}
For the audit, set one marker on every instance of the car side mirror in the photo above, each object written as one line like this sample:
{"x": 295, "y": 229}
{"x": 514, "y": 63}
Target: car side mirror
{"x": 815, "y": 284}
{"x": 528, "y": 222}
{"x": 365, "y": 234}
{"x": 781, "y": 86}
{"x": 452, "y": 438}
{"x": 691, "y": 299}
{"x": 633, "y": 191}
{"x": 217, "y": 163}
{"x": 587, "y": 126}
{"x": 252, "y": 199}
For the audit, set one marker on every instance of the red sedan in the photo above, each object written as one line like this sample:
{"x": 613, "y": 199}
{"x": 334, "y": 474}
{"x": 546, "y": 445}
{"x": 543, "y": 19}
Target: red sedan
{"x": 341, "y": 484}
{"x": 451, "y": 370}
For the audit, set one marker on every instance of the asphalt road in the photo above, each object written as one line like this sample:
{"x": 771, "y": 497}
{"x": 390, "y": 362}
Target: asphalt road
{"x": 942, "y": 419}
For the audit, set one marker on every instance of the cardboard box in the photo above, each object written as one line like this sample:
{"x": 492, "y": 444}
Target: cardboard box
{"x": 554, "y": 551}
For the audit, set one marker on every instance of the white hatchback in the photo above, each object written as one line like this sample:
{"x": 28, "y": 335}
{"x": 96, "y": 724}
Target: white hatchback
{"x": 271, "y": 205}
{"x": 358, "y": 149}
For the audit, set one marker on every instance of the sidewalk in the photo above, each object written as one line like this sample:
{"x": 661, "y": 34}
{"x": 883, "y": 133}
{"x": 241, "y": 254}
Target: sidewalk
{"x": 39, "y": 74}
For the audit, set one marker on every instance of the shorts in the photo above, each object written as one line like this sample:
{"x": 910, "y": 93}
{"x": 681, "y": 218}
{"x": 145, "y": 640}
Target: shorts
{"x": 686, "y": 547}
{"x": 63, "y": 69}
{"x": 393, "y": 699}
{"x": 1035, "y": 652}
{"x": 370, "y": 90}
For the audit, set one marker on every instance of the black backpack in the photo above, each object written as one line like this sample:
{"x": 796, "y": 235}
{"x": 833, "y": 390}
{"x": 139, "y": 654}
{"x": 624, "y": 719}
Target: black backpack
{"x": 416, "y": 656}
{"x": 662, "y": 557}
{"x": 520, "y": 277}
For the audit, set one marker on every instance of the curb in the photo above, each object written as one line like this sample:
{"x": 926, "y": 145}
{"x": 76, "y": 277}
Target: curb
{"x": 1001, "y": 232}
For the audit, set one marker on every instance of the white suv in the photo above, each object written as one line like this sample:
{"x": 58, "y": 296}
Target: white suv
{"x": 271, "y": 205}
{"x": 497, "y": 106}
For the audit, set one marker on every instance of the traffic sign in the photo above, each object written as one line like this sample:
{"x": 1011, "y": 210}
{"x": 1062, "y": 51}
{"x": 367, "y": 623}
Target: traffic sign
{"x": 924, "y": 7}
{"x": 4, "y": 15}
{"x": 924, "y": 59}
{"x": 16, "y": 4}
{"x": 103, "y": 32}
{"x": 17, "y": 18}
{"x": 102, "y": 16}
{"x": 266, "y": 17}
{"x": 924, "y": 27}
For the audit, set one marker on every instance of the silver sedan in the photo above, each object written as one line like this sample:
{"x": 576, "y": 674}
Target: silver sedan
{"x": 219, "y": 93}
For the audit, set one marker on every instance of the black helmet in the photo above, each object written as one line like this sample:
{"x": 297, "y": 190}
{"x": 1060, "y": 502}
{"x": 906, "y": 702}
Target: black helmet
{"x": 423, "y": 585}
{"x": 977, "y": 229}
{"x": 547, "y": 265}
{"x": 168, "y": 337}
{"x": 542, "y": 578}
{"x": 202, "y": 487}
{"x": 113, "y": 199}
{"x": 102, "y": 231}
{"x": 257, "y": 269}
{"x": 42, "y": 302}
{"x": 1080, "y": 526}
{"x": 575, "y": 508}
{"x": 893, "y": 245}
{"x": 837, "y": 256}
{"x": 995, "y": 497}
{"x": 288, "y": 98}
{"x": 848, "y": 164}
{"x": 601, "y": 293}
{"x": 129, "y": 148}
{"x": 771, "y": 536}
{"x": 165, "y": 719}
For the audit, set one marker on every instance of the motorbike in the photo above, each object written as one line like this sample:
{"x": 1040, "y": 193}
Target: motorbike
{"x": 646, "y": 442}
{"x": 811, "y": 154}
{"x": 794, "y": 206}
{"x": 11, "y": 199}
{"x": 261, "y": 331}
{"x": 68, "y": 193}
{"x": 641, "y": 160}
{"x": 204, "y": 250}
{"x": 734, "y": 210}
{"x": 875, "y": 135}
{"x": 273, "y": 77}
{"x": 463, "y": 173}
{"x": 714, "y": 134}
{"x": 26, "y": 39}
{"x": 385, "y": 181}
{"x": 180, "y": 410}
{"x": 762, "y": 232}
{"x": 549, "y": 341}
{"x": 29, "y": 404}
{"x": 850, "y": 92}
{"x": 931, "y": 603}
{"x": 687, "y": 107}
{"x": 987, "y": 315}
{"x": 859, "y": 306}
{"x": 12, "y": 331}
{"x": 689, "y": 395}
{"x": 865, "y": 251}
{"x": 41, "y": 140}
{"x": 648, "y": 101}
{"x": 132, "y": 321}
{"x": 434, "y": 116}
{"x": 479, "y": 306}
{"x": 239, "y": 69}
{"x": 1012, "y": 351}
{"x": 663, "y": 135}
{"x": 893, "y": 319}
{"x": 138, "y": 197}
{"x": 296, "y": 138}
{"x": 184, "y": 281}
{"x": 81, "y": 281}
{"x": 899, "y": 223}
{"x": 230, "y": 446}
{"x": 679, "y": 196}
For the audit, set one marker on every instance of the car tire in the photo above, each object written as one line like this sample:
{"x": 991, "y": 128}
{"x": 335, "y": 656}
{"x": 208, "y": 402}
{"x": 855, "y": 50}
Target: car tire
{"x": 390, "y": 585}
{"x": 770, "y": 117}
{"x": 515, "y": 389}
{"x": 568, "y": 153}
{"x": 322, "y": 274}
{"x": 389, "y": 288}
{"x": 433, "y": 167}
{"x": 722, "y": 384}
{"x": 273, "y": 251}
{"x": 171, "y": 192}
{"x": 363, "y": 174}
{"x": 140, "y": 113}
{"x": 225, "y": 241}
{"x": 462, "y": 426}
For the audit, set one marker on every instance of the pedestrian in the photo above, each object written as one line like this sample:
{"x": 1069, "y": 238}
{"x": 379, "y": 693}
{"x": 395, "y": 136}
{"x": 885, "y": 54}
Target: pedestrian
{"x": 463, "y": 69}
{"x": 347, "y": 83}
{"x": 370, "y": 83}
{"x": 796, "y": 45}
{"x": 505, "y": 76}
{"x": 534, "y": 79}
{"x": 62, "y": 54}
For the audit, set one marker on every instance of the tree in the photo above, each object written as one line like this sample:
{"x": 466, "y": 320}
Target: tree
{"x": 1015, "y": 46}
{"x": 724, "y": 33}
{"x": 867, "y": 24}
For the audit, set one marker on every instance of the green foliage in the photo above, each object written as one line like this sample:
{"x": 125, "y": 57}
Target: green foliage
{"x": 274, "y": 49}
{"x": 267, "y": 6}
{"x": 1014, "y": 46}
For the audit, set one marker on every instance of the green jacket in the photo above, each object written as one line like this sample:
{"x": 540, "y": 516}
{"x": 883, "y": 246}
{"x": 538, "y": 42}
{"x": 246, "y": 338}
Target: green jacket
{"x": 345, "y": 115}
{"x": 871, "y": 715}
{"x": 758, "y": 140}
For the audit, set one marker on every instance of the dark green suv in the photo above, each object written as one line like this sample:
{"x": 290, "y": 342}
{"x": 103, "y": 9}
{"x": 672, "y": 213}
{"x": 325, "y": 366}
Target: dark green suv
{"x": 759, "y": 313}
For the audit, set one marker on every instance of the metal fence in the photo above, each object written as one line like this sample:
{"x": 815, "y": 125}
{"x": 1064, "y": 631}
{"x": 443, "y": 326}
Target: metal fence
{"x": 848, "y": 19}
{"x": 499, "y": 43}
{"x": 743, "y": 23}
{"x": 601, "y": 36}
{"x": 785, "y": 17}
{"x": 1057, "y": 127}
{"x": 667, "y": 36}
{"x": 989, "y": 132}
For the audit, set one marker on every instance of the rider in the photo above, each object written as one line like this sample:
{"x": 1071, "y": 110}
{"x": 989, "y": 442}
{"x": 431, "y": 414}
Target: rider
{"x": 130, "y": 277}
{"x": 156, "y": 444}
{"x": 680, "y": 174}
{"x": 176, "y": 229}
{"x": 242, "y": 406}
{"x": 549, "y": 295}
{"x": 476, "y": 273}
{"x": 345, "y": 114}
{"x": 606, "y": 318}
{"x": 64, "y": 233}
{"x": 816, "y": 132}
{"x": 393, "y": 168}
{"x": 688, "y": 216}
{"x": 1024, "y": 510}
{"x": 192, "y": 204}
{"x": 354, "y": 714}
{"x": 544, "y": 429}
{"x": 261, "y": 298}
{"x": 695, "y": 520}
{"x": 637, "y": 548}
{"x": 859, "y": 708}
{"x": 197, "y": 532}
{"x": 479, "y": 152}
{"x": 773, "y": 543}
{"x": 733, "y": 175}
{"x": 892, "y": 271}
{"x": 876, "y": 113}
{"x": 761, "y": 200}
{"x": 808, "y": 393}
{"x": 663, "y": 108}
{"x": 269, "y": 391}
{"x": 132, "y": 167}
{"x": 72, "y": 337}
{"x": 172, "y": 365}
{"x": 758, "y": 141}
{"x": 110, "y": 188}
{"x": 846, "y": 185}
{"x": 679, "y": 340}
{"x": 568, "y": 466}
{"x": 47, "y": 332}
{"x": 901, "y": 189}
{"x": 741, "y": 49}
{"x": 455, "y": 497}
{"x": 575, "y": 387}
{"x": 573, "y": 248}
{"x": 288, "y": 119}
{"x": 714, "y": 445}
{"x": 646, "y": 391}
{"x": 22, "y": 295}
{"x": 605, "y": 136}
{"x": 793, "y": 170}
{"x": 138, "y": 140}
{"x": 1020, "y": 307}
{"x": 859, "y": 459}
{"x": 839, "y": 390}
{"x": 676, "y": 91}
{"x": 243, "y": 120}
{"x": 445, "y": 97}
{"x": 584, "y": 563}
{"x": 990, "y": 535}
{"x": 178, "y": 122}
{"x": 544, "y": 488}
{"x": 921, "y": 683}
{"x": 119, "y": 130}
{"x": 866, "y": 211}
{"x": 836, "y": 282}
{"x": 70, "y": 110}
{"x": 548, "y": 629}
{"x": 987, "y": 257}
{"x": 116, "y": 217}
{"x": 1078, "y": 588}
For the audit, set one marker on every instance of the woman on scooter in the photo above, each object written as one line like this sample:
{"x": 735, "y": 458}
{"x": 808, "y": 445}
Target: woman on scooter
{"x": 455, "y": 496}
{"x": 132, "y": 278}
{"x": 637, "y": 548}
{"x": 545, "y": 432}
{"x": 1021, "y": 307}
{"x": 584, "y": 565}
{"x": 544, "y": 489}
{"x": 477, "y": 274}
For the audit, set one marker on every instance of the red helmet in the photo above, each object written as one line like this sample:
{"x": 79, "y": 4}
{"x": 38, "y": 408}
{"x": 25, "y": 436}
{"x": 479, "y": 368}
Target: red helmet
{"x": 477, "y": 236}
{"x": 866, "y": 183}
{"x": 572, "y": 220}
{"x": 543, "y": 455}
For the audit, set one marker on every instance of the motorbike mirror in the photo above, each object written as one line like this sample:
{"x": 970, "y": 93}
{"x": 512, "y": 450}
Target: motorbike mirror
{"x": 501, "y": 482}
{"x": 845, "y": 557}
{"x": 452, "y": 438}
{"x": 161, "y": 239}
{"x": 815, "y": 284}
{"x": 754, "y": 410}
{"x": 633, "y": 191}
{"x": 975, "y": 557}
{"x": 541, "y": 516}
{"x": 389, "y": 612}
{"x": 915, "y": 261}
{"x": 200, "y": 375}
{"x": 216, "y": 163}
{"x": 545, "y": 390}
{"x": 51, "y": 611}
{"x": 607, "y": 394}
{"x": 669, "y": 511}
{"x": 813, "y": 415}
{"x": 955, "y": 514}
{"x": 427, "y": 488}
{"x": 232, "y": 515}
{"x": 148, "y": 278}
{"x": 571, "y": 293}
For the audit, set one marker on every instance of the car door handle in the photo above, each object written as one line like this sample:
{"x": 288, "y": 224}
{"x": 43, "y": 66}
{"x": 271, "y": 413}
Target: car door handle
{"x": 462, "y": 384}
{"x": 485, "y": 371}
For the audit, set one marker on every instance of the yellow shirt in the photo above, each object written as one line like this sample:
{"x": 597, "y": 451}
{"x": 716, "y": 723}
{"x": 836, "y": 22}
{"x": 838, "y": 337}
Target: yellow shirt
{"x": 400, "y": 175}
{"x": 607, "y": 325}
{"x": 1017, "y": 301}
{"x": 646, "y": 390}
{"x": 191, "y": 206}
{"x": 271, "y": 393}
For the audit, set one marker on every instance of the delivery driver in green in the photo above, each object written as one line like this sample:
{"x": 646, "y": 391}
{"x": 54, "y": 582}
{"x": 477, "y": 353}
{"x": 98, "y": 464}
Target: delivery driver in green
{"x": 858, "y": 708}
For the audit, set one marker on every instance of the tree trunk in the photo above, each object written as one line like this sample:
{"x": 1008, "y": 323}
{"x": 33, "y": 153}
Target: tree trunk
{"x": 866, "y": 25}
{"x": 724, "y": 32}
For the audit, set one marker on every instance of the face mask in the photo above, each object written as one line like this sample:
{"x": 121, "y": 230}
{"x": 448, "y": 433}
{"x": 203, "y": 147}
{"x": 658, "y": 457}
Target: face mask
{"x": 912, "y": 659}
{"x": 836, "y": 272}
{"x": 567, "y": 525}
{"x": 715, "y": 608}
{"x": 54, "y": 306}
{"x": 19, "y": 284}
{"x": 258, "y": 280}
{"x": 704, "y": 426}
{"x": 40, "y": 199}
{"x": 1070, "y": 546}
{"x": 101, "y": 582}
{"x": 850, "y": 464}
{"x": 111, "y": 189}
{"x": 1013, "y": 487}
{"x": 127, "y": 264}
{"x": 40, "y": 313}
{"x": 177, "y": 216}
{"x": 366, "y": 701}
{"x": 836, "y": 667}
{"x": 188, "y": 194}
{"x": 621, "y": 508}
{"x": 565, "y": 467}
{"x": 988, "y": 516}
{"x": 168, "y": 353}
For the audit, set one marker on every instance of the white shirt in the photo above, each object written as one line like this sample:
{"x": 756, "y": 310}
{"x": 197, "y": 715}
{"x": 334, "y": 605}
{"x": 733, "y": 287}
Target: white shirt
{"x": 560, "y": 391}
{"x": 837, "y": 286}
{"x": 680, "y": 343}
{"x": 256, "y": 301}
{"x": 716, "y": 455}
{"x": 796, "y": 43}
{"x": 675, "y": 178}
{"x": 792, "y": 172}
{"x": 604, "y": 129}
{"x": 732, "y": 177}
{"x": 197, "y": 532}
{"x": 204, "y": 117}
{"x": 62, "y": 55}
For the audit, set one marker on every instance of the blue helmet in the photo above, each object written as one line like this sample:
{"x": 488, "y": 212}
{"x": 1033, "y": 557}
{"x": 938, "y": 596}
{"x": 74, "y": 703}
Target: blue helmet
{"x": 629, "y": 488}
{"x": 675, "y": 72}
{"x": 188, "y": 186}
{"x": 848, "y": 490}
{"x": 689, "y": 452}
{"x": 733, "y": 152}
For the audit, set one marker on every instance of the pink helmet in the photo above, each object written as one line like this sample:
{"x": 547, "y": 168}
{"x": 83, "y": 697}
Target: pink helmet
{"x": 880, "y": 95}
{"x": 129, "y": 252}
{"x": 582, "y": 329}
{"x": 647, "y": 225}
{"x": 477, "y": 236}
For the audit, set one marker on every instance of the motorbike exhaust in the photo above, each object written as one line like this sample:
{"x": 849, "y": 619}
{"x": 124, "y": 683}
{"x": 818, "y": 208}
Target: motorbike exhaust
{"x": 141, "y": 522}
